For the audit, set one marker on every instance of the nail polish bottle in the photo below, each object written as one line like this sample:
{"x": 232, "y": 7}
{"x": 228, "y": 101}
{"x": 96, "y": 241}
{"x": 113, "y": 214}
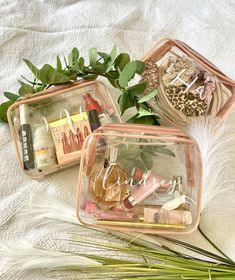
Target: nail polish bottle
{"x": 92, "y": 104}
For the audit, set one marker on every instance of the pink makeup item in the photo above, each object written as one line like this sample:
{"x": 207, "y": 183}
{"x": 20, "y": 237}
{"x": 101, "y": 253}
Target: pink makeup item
{"x": 161, "y": 216}
{"x": 92, "y": 209}
{"x": 139, "y": 174}
{"x": 150, "y": 184}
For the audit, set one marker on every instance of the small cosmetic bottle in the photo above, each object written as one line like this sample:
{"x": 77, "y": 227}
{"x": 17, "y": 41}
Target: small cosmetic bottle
{"x": 26, "y": 134}
{"x": 44, "y": 148}
{"x": 149, "y": 185}
{"x": 161, "y": 216}
{"x": 107, "y": 184}
{"x": 93, "y": 120}
{"x": 92, "y": 104}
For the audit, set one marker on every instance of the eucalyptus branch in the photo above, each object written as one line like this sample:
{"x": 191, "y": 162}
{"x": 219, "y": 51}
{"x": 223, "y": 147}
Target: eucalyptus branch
{"x": 119, "y": 70}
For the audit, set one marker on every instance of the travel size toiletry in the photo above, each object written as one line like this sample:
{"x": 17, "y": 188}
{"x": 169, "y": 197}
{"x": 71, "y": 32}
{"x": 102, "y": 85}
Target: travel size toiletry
{"x": 161, "y": 216}
{"x": 149, "y": 185}
{"x": 92, "y": 104}
{"x": 44, "y": 148}
{"x": 26, "y": 134}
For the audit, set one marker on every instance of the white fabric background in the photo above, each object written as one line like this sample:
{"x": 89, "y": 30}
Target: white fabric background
{"x": 39, "y": 30}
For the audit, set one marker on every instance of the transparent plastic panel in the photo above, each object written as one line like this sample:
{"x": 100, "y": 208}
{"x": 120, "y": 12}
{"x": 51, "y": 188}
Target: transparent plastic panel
{"x": 140, "y": 183}
{"x": 50, "y": 129}
{"x": 186, "y": 86}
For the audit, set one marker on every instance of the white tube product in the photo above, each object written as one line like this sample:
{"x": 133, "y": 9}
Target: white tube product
{"x": 44, "y": 148}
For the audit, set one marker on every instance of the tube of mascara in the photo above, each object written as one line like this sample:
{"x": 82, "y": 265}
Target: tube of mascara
{"x": 26, "y": 134}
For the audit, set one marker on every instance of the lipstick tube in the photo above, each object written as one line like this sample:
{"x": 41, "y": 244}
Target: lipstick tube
{"x": 26, "y": 134}
{"x": 150, "y": 184}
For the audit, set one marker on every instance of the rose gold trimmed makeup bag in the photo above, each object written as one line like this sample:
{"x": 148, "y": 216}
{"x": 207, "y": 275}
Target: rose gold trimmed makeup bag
{"x": 49, "y": 127}
{"x": 140, "y": 178}
{"x": 188, "y": 84}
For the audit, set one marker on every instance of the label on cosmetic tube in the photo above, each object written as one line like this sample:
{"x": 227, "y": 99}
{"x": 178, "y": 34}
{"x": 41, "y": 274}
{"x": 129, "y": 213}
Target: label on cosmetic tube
{"x": 161, "y": 216}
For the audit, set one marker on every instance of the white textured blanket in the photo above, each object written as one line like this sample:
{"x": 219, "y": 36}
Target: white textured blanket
{"x": 39, "y": 30}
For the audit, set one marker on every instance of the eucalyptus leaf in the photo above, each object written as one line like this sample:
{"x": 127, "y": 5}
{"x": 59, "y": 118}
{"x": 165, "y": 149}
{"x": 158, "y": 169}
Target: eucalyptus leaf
{"x": 127, "y": 74}
{"x": 148, "y": 96}
{"x": 93, "y": 56}
{"x": 90, "y": 76}
{"x": 121, "y": 61}
{"x": 143, "y": 113}
{"x": 138, "y": 88}
{"x": 81, "y": 62}
{"x": 99, "y": 68}
{"x": 3, "y": 110}
{"x": 48, "y": 75}
{"x": 73, "y": 56}
{"x": 140, "y": 66}
{"x": 33, "y": 68}
{"x": 58, "y": 64}
{"x": 103, "y": 55}
{"x": 166, "y": 152}
{"x": 11, "y": 96}
{"x": 147, "y": 159}
{"x": 147, "y": 120}
{"x": 25, "y": 89}
{"x": 125, "y": 101}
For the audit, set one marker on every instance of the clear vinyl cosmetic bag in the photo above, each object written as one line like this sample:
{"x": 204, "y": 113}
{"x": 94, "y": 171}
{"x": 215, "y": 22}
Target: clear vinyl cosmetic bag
{"x": 49, "y": 127}
{"x": 140, "y": 178}
{"x": 188, "y": 84}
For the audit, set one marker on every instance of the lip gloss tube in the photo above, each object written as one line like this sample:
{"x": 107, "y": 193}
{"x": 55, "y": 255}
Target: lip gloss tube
{"x": 150, "y": 184}
{"x": 91, "y": 208}
{"x": 27, "y": 142}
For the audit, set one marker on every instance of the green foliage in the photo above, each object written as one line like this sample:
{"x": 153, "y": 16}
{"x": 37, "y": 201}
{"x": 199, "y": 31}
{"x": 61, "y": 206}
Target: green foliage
{"x": 119, "y": 70}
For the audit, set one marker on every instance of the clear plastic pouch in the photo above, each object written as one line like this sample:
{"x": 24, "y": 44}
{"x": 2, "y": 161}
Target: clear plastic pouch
{"x": 188, "y": 84}
{"x": 140, "y": 178}
{"x": 49, "y": 127}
